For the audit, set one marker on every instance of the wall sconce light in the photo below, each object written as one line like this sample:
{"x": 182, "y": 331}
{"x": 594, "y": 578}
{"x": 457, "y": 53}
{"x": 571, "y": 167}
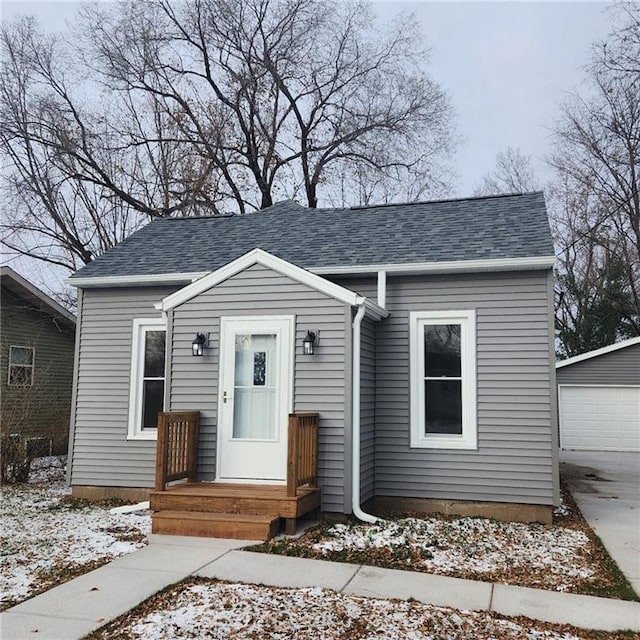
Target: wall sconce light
{"x": 200, "y": 343}
{"x": 309, "y": 343}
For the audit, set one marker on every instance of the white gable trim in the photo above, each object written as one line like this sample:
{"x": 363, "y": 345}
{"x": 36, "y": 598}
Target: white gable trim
{"x": 598, "y": 352}
{"x": 259, "y": 256}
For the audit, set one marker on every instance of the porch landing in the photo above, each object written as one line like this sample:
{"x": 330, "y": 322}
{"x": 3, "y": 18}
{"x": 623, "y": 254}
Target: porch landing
{"x": 224, "y": 510}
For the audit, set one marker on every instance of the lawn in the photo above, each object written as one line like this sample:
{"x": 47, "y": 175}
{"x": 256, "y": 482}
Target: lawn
{"x": 565, "y": 556}
{"x": 48, "y": 537}
{"x": 212, "y": 610}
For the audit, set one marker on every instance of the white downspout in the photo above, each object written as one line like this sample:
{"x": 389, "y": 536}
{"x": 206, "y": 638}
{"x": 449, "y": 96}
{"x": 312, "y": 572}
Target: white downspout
{"x": 355, "y": 422}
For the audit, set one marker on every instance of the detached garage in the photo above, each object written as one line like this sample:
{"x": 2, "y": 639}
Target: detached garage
{"x": 599, "y": 399}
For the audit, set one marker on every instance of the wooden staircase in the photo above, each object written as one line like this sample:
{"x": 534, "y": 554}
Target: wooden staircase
{"x": 221, "y": 510}
{"x": 227, "y": 510}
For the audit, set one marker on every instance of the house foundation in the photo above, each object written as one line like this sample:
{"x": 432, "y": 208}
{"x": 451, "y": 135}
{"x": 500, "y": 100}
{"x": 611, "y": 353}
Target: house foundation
{"x": 504, "y": 511}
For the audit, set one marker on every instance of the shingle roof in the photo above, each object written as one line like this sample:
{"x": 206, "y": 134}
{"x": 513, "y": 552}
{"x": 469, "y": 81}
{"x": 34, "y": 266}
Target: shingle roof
{"x": 510, "y": 226}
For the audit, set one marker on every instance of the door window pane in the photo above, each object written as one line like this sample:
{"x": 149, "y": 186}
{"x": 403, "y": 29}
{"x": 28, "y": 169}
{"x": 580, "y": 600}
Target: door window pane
{"x": 442, "y": 350}
{"x": 254, "y": 399}
{"x": 443, "y": 406}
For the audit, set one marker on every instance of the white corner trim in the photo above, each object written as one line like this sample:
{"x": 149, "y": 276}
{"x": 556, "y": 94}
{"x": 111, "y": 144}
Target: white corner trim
{"x": 259, "y": 256}
{"x": 140, "y": 326}
{"x": 469, "y": 437}
{"x": 132, "y": 281}
{"x": 598, "y": 352}
{"x": 453, "y": 266}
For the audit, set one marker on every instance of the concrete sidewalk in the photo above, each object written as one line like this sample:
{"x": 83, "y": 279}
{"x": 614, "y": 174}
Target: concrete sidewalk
{"x": 74, "y": 609}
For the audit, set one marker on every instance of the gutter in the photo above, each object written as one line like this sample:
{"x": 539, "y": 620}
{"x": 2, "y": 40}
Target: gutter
{"x": 355, "y": 422}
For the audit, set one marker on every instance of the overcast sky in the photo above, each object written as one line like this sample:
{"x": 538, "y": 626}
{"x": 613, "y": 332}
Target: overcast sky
{"x": 505, "y": 65}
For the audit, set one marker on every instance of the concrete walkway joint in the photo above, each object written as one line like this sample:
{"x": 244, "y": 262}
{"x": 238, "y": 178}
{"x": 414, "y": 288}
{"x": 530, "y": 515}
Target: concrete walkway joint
{"x": 72, "y": 610}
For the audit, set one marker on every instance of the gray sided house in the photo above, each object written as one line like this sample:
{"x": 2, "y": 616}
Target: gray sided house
{"x": 428, "y": 327}
{"x": 36, "y": 365}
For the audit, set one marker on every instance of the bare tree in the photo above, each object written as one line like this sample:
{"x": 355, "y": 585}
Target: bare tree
{"x": 162, "y": 108}
{"x": 280, "y": 97}
{"x": 512, "y": 174}
{"x": 597, "y": 218}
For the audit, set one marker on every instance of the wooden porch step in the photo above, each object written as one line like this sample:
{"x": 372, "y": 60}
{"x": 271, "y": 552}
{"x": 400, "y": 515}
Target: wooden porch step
{"x": 215, "y": 525}
{"x": 262, "y": 500}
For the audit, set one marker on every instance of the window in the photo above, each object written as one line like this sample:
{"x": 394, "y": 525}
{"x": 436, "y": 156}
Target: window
{"x": 443, "y": 379}
{"x": 147, "y": 377}
{"x": 21, "y": 361}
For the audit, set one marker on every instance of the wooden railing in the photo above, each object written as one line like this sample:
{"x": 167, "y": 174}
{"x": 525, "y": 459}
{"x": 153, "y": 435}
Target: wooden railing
{"x": 302, "y": 456}
{"x": 177, "y": 448}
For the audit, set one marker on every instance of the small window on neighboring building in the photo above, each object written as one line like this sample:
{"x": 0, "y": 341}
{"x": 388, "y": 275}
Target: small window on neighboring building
{"x": 443, "y": 380}
{"x": 147, "y": 377}
{"x": 21, "y": 361}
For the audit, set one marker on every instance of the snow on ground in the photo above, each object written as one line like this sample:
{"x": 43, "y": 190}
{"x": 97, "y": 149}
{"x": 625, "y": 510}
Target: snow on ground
{"x": 550, "y": 557}
{"x": 218, "y": 610}
{"x": 475, "y": 545}
{"x": 46, "y": 536}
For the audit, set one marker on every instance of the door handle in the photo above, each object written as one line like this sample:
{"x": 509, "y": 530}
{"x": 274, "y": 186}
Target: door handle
{"x": 225, "y": 397}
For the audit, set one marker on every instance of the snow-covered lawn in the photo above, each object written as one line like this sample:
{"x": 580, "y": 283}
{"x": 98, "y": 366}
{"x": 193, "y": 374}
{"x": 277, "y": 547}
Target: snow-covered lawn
{"x": 555, "y": 557}
{"x": 47, "y": 537}
{"x": 216, "y": 610}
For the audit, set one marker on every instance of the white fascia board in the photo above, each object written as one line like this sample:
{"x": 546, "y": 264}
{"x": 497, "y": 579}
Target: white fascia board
{"x": 259, "y": 256}
{"x": 132, "y": 281}
{"x": 598, "y": 352}
{"x": 454, "y": 266}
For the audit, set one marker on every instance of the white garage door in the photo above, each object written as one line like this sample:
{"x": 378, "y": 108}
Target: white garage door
{"x": 599, "y": 418}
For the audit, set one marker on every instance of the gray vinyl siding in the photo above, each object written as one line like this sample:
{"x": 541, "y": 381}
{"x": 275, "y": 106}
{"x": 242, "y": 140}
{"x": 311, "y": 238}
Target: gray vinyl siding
{"x": 367, "y": 409}
{"x": 514, "y": 461}
{"x": 319, "y": 380}
{"x": 621, "y": 367}
{"x": 102, "y": 455}
{"x": 42, "y": 409}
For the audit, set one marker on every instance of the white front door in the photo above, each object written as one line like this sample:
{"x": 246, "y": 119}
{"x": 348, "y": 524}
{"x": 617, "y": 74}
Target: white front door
{"x": 256, "y": 366}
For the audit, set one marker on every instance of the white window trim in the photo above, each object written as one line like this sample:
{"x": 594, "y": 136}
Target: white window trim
{"x": 469, "y": 437}
{"x": 140, "y": 327}
{"x": 32, "y": 366}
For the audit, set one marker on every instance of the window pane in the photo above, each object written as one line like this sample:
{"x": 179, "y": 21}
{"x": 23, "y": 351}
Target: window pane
{"x": 20, "y": 376}
{"x": 154, "y": 354}
{"x": 21, "y": 355}
{"x": 443, "y": 406}
{"x": 152, "y": 401}
{"x": 442, "y": 350}
{"x": 254, "y": 413}
{"x": 259, "y": 368}
{"x": 255, "y": 355}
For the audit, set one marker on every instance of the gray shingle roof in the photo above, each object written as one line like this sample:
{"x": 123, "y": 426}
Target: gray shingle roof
{"x": 510, "y": 226}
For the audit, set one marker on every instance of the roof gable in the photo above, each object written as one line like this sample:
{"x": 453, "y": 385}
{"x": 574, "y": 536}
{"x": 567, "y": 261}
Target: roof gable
{"x": 258, "y": 256}
{"x": 21, "y": 287}
{"x": 598, "y": 352}
{"x": 362, "y": 239}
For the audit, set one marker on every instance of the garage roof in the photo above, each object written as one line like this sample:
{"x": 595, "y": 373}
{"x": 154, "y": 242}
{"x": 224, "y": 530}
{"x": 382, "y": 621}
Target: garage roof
{"x": 598, "y": 352}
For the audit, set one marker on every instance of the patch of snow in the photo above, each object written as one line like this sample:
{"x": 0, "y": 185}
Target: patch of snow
{"x": 475, "y": 545}
{"x": 43, "y": 534}
{"x": 220, "y": 610}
